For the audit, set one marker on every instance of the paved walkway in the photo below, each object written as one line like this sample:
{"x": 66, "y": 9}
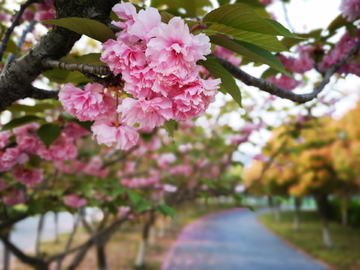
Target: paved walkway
{"x": 233, "y": 240}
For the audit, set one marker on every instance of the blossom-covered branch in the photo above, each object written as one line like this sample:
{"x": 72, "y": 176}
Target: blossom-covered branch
{"x": 278, "y": 91}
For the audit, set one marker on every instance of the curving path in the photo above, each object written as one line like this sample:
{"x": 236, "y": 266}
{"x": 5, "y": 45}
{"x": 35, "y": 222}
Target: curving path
{"x": 233, "y": 240}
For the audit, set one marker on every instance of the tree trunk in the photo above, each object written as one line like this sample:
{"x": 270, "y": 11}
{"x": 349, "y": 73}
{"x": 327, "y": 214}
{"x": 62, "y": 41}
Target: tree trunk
{"x": 56, "y": 221}
{"x": 344, "y": 210}
{"x": 323, "y": 209}
{"x": 140, "y": 259}
{"x": 38, "y": 235}
{"x": 297, "y": 204}
{"x": 6, "y": 254}
{"x": 152, "y": 236}
{"x": 101, "y": 257}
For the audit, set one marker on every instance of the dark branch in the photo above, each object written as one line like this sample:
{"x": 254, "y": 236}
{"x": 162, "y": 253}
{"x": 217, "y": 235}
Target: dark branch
{"x": 42, "y": 94}
{"x": 13, "y": 25}
{"x": 83, "y": 68}
{"x": 8, "y": 223}
{"x": 278, "y": 91}
{"x": 108, "y": 80}
{"x": 16, "y": 81}
{"x": 39, "y": 263}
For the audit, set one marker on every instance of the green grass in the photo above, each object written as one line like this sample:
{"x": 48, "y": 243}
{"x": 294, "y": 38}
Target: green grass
{"x": 345, "y": 255}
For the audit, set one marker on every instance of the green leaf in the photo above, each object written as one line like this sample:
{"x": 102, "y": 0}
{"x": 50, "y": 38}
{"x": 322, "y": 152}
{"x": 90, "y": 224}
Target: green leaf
{"x": 41, "y": 107}
{"x": 87, "y": 27}
{"x": 90, "y": 59}
{"x": 338, "y": 22}
{"x": 227, "y": 81}
{"x": 134, "y": 197}
{"x": 11, "y": 46}
{"x": 48, "y": 133}
{"x": 267, "y": 42}
{"x": 280, "y": 28}
{"x": 269, "y": 72}
{"x": 36, "y": 206}
{"x": 250, "y": 51}
{"x": 57, "y": 75}
{"x": 17, "y": 122}
{"x": 242, "y": 17}
{"x": 34, "y": 160}
{"x": 251, "y": 3}
{"x": 142, "y": 207}
{"x": 170, "y": 126}
{"x": 223, "y": 2}
{"x": 86, "y": 124}
{"x": 166, "y": 17}
{"x": 77, "y": 77}
{"x": 166, "y": 210}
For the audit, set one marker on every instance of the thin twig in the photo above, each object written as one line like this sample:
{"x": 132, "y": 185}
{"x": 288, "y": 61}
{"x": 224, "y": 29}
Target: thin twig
{"x": 122, "y": 157}
{"x": 278, "y": 91}
{"x": 286, "y": 15}
{"x": 13, "y": 25}
{"x": 19, "y": 45}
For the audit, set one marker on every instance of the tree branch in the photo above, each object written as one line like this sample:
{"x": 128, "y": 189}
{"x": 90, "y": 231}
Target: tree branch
{"x": 39, "y": 263}
{"x": 13, "y": 25}
{"x": 10, "y": 222}
{"x": 123, "y": 156}
{"x": 42, "y": 94}
{"x": 58, "y": 42}
{"x": 83, "y": 68}
{"x": 278, "y": 91}
{"x": 18, "y": 45}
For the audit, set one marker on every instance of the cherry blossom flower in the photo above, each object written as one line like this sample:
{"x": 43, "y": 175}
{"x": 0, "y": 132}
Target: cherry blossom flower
{"x": 126, "y": 12}
{"x": 107, "y": 133}
{"x": 148, "y": 113}
{"x": 74, "y": 201}
{"x": 173, "y": 50}
{"x": 16, "y": 197}
{"x": 73, "y": 130}
{"x": 4, "y": 138}
{"x": 28, "y": 176}
{"x": 284, "y": 82}
{"x": 350, "y": 9}
{"x": 85, "y": 105}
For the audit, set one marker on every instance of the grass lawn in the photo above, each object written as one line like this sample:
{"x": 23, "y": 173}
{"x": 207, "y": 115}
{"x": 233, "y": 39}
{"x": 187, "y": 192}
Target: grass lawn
{"x": 345, "y": 255}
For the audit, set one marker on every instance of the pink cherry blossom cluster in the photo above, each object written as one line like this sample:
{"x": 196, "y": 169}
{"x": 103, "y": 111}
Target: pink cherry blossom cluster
{"x": 93, "y": 167}
{"x": 161, "y": 81}
{"x": 346, "y": 43}
{"x": 15, "y": 158}
{"x": 45, "y": 11}
{"x": 350, "y": 9}
{"x": 157, "y": 62}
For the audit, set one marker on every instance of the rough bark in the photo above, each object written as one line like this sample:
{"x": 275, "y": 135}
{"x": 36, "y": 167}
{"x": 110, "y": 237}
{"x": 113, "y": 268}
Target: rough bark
{"x": 16, "y": 82}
